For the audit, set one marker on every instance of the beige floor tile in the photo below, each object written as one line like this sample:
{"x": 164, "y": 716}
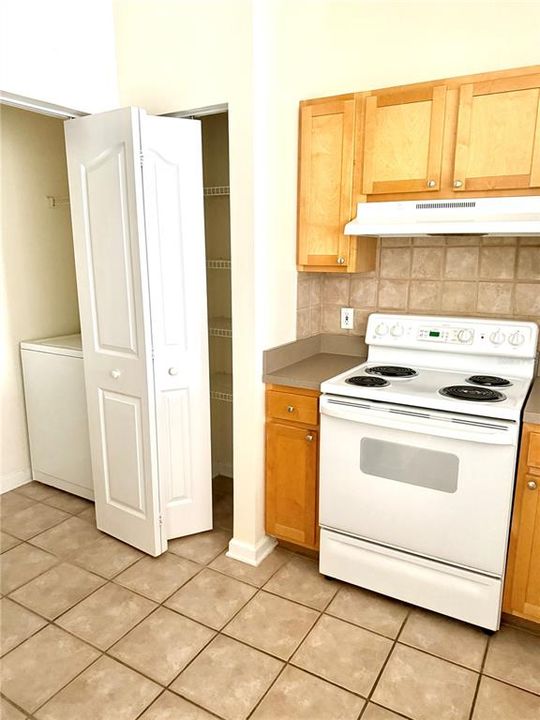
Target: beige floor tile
{"x": 368, "y": 609}
{"x": 228, "y": 678}
{"x": 272, "y": 624}
{"x": 89, "y": 515}
{"x": 107, "y": 615}
{"x": 159, "y": 577}
{"x": 57, "y": 590}
{"x": 9, "y": 712}
{"x": 106, "y": 556}
{"x": 33, "y": 520}
{"x": 21, "y": 564}
{"x": 13, "y": 502}
{"x": 67, "y": 502}
{"x": 38, "y": 668}
{"x": 344, "y": 654}
{"x": 497, "y": 701}
{"x": 7, "y": 542}
{"x": 248, "y": 573}
{"x": 35, "y": 490}
{"x": 211, "y": 598}
{"x": 514, "y": 656}
{"x": 162, "y": 645}
{"x": 445, "y": 637}
{"x": 68, "y": 537}
{"x": 105, "y": 691}
{"x": 299, "y": 696}
{"x": 301, "y": 581}
{"x": 16, "y": 625}
{"x": 425, "y": 687}
{"x": 171, "y": 707}
{"x": 201, "y": 548}
{"x": 375, "y": 712}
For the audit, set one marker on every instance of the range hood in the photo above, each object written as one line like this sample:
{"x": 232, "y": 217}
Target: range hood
{"x": 470, "y": 216}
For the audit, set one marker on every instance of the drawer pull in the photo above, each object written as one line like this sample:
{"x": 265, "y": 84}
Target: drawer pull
{"x": 309, "y": 437}
{"x": 290, "y": 408}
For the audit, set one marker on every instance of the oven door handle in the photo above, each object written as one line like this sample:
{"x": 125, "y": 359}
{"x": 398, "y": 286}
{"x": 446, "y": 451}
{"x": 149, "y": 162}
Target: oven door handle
{"x": 489, "y": 433}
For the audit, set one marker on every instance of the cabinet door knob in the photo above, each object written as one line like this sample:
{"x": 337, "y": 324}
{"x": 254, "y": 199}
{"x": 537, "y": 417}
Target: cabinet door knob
{"x": 309, "y": 437}
{"x": 341, "y": 260}
{"x": 290, "y": 408}
{"x": 532, "y": 485}
{"x": 173, "y": 371}
{"x": 458, "y": 183}
{"x": 431, "y": 183}
{"x": 116, "y": 374}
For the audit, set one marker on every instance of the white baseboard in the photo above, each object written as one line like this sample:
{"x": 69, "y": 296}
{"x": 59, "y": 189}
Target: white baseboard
{"x": 13, "y": 480}
{"x": 251, "y": 554}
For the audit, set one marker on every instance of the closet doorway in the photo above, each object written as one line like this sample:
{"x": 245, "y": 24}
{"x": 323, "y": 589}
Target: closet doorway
{"x": 215, "y": 139}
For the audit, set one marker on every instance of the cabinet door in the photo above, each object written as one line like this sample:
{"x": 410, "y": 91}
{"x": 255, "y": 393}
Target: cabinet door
{"x": 325, "y": 184}
{"x": 498, "y": 135}
{"x": 291, "y": 483}
{"x": 402, "y": 145}
{"x": 522, "y": 591}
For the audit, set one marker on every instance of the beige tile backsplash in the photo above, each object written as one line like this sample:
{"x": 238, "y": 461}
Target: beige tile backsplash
{"x": 488, "y": 277}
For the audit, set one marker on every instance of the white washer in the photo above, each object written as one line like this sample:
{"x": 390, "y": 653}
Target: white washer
{"x": 56, "y": 414}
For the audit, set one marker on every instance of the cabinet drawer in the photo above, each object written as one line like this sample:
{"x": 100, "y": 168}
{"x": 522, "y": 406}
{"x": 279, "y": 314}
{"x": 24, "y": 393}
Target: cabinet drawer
{"x": 289, "y": 406}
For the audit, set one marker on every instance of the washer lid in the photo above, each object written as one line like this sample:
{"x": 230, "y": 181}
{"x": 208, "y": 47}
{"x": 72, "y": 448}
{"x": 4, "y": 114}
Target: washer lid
{"x": 62, "y": 345}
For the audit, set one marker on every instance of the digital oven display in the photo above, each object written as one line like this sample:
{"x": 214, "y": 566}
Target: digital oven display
{"x": 434, "y": 333}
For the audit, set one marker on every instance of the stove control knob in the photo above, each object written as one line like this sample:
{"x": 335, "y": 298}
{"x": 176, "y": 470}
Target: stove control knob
{"x": 465, "y": 335}
{"x": 497, "y": 337}
{"x": 381, "y": 329}
{"x": 516, "y": 338}
{"x": 396, "y": 330}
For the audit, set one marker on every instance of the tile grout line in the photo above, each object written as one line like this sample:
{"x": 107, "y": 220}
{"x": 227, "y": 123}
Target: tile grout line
{"x": 480, "y": 675}
{"x": 258, "y": 589}
{"x": 220, "y": 632}
{"x": 390, "y": 653}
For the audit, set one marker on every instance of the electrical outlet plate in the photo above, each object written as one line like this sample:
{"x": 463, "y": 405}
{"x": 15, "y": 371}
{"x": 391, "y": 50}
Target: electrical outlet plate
{"x": 347, "y": 318}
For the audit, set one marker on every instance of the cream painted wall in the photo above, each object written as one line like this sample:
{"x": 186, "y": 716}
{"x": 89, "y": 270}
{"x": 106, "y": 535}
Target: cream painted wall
{"x": 60, "y": 52}
{"x": 38, "y": 296}
{"x": 263, "y": 57}
{"x": 326, "y": 47}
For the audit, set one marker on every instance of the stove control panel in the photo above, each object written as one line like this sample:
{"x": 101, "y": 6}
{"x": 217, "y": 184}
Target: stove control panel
{"x": 446, "y": 335}
{"x": 451, "y": 334}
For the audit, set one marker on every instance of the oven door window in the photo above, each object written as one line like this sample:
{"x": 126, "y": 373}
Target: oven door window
{"x": 409, "y": 464}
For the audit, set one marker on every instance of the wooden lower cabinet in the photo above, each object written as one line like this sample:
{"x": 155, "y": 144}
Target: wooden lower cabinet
{"x": 522, "y": 586}
{"x": 292, "y": 468}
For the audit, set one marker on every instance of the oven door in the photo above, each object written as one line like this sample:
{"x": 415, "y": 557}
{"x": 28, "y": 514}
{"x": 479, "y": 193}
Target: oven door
{"x": 427, "y": 482}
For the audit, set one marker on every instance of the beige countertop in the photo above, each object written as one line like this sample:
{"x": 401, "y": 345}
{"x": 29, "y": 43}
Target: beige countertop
{"x": 312, "y": 371}
{"x": 308, "y": 362}
{"x": 531, "y": 414}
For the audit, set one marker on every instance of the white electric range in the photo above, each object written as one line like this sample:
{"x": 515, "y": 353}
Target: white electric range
{"x": 418, "y": 457}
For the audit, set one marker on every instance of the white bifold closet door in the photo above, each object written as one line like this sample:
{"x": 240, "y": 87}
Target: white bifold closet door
{"x": 138, "y": 225}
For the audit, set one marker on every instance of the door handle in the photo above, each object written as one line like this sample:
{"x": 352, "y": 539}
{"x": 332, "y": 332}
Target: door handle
{"x": 116, "y": 373}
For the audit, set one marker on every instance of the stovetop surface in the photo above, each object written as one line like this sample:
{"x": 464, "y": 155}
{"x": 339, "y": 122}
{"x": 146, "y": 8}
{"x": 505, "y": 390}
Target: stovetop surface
{"x": 424, "y": 390}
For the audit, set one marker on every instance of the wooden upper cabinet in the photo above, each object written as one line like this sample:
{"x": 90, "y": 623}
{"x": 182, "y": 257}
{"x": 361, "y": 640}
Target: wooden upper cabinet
{"x": 498, "y": 135}
{"x": 522, "y": 587}
{"x": 325, "y": 184}
{"x": 402, "y": 143}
